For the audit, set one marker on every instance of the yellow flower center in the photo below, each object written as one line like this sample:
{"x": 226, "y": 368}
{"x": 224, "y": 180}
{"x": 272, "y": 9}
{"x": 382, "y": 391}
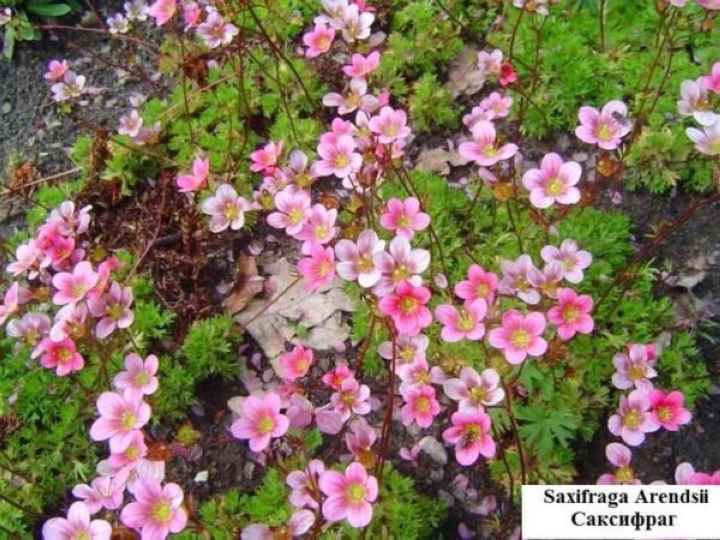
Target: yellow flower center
{"x": 490, "y": 150}
{"x": 348, "y": 398}
{"x": 320, "y": 231}
{"x": 570, "y": 314}
{"x": 555, "y": 186}
{"x": 520, "y": 338}
{"x": 466, "y": 321}
{"x": 355, "y": 493}
{"x": 365, "y": 264}
{"x": 132, "y": 453}
{"x": 231, "y": 212}
{"x": 391, "y": 130}
{"x": 400, "y": 273}
{"x": 422, "y": 404}
{"x": 636, "y": 372}
{"x": 266, "y": 424}
{"x": 406, "y": 354}
{"x": 141, "y": 379}
{"x": 64, "y": 355}
{"x": 161, "y": 512}
{"x": 115, "y": 311}
{"x": 408, "y": 305}
{"x": 624, "y": 475}
{"x": 604, "y": 133}
{"x": 632, "y": 419}
{"x": 128, "y": 420}
{"x": 403, "y": 221}
{"x": 664, "y": 413}
{"x": 341, "y": 161}
{"x": 472, "y": 433}
{"x": 478, "y": 394}
{"x": 295, "y": 216}
{"x": 324, "y": 269}
{"x": 482, "y": 290}
{"x": 78, "y": 289}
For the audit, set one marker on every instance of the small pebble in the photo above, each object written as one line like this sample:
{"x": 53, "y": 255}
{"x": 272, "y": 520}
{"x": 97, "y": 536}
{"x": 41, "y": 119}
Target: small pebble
{"x": 202, "y": 476}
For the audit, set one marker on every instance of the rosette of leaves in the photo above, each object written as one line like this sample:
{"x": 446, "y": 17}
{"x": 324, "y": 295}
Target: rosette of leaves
{"x": 23, "y": 12}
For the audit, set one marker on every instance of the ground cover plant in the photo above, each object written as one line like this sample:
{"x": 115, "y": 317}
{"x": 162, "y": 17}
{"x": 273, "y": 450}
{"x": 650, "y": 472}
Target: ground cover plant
{"x": 357, "y": 269}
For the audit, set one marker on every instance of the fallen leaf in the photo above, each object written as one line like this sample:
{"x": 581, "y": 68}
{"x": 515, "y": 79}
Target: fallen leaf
{"x": 465, "y": 77}
{"x": 247, "y": 285}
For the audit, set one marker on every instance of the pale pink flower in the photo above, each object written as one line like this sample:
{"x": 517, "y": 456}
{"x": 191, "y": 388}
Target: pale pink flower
{"x": 633, "y": 369}
{"x": 604, "y": 128}
{"x": 28, "y": 257}
{"x": 361, "y": 66}
{"x": 553, "y": 182}
{"x": 72, "y": 287}
{"x": 319, "y": 40}
{"x": 15, "y": 296}
{"x": 337, "y": 376}
{"x": 162, "y": 11}
{"x": 300, "y": 523}
{"x": 390, "y": 125}
{"x": 318, "y": 228}
{"x": 489, "y": 63}
{"x": 298, "y": 170}
{"x": 260, "y": 421}
{"x": 405, "y": 218}
{"x": 496, "y": 106}
{"x": 694, "y": 102}
{"x": 407, "y": 348}
{"x": 296, "y": 363}
{"x": 118, "y": 24}
{"x": 706, "y": 141}
{"x": 356, "y": 25}
{"x": 351, "y": 397}
{"x": 191, "y": 13}
{"x": 293, "y": 209}
{"x": 360, "y": 439}
{"x": 519, "y": 335}
{"x": 712, "y": 81}
{"x": 357, "y": 98}
{"x": 338, "y": 158}
{"x": 683, "y": 472}
{"x": 226, "y": 209}
{"x": 68, "y": 221}
{"x": 548, "y": 280}
{"x": 479, "y": 285}
{"x": 31, "y": 328}
{"x": 113, "y": 309}
{"x": 131, "y": 456}
{"x": 620, "y": 456}
{"x": 668, "y": 410}
{"x": 56, "y": 70}
{"x": 713, "y": 5}
{"x": 120, "y": 418}
{"x": 471, "y": 435}
{"x": 349, "y": 495}
{"x": 483, "y": 149}
{"x": 103, "y": 492}
{"x": 304, "y": 485}
{"x": 76, "y": 526}
{"x": 463, "y": 323}
{"x": 61, "y": 356}
{"x": 318, "y": 268}
{"x": 516, "y": 279}
{"x": 71, "y": 87}
{"x": 69, "y": 322}
{"x": 633, "y": 418}
{"x": 130, "y": 124}
{"x": 571, "y": 315}
{"x": 407, "y": 308}
{"x": 475, "y": 391}
{"x": 139, "y": 376}
{"x": 215, "y": 31}
{"x": 418, "y": 373}
{"x": 572, "y": 259}
{"x": 157, "y": 510}
{"x": 197, "y": 178}
{"x": 533, "y": 6}
{"x": 477, "y": 114}
{"x": 136, "y": 10}
{"x": 357, "y": 261}
{"x": 420, "y": 406}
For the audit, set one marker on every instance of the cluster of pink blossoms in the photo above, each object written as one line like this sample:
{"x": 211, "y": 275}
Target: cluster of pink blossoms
{"x": 211, "y": 27}
{"x": 65, "y": 84}
{"x": 699, "y": 101}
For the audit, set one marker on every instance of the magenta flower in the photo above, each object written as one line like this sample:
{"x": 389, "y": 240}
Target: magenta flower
{"x": 292, "y": 210}
{"x": 633, "y": 418}
{"x": 76, "y": 526}
{"x": 120, "y": 418}
{"x": 471, "y": 435}
{"x": 72, "y": 287}
{"x": 463, "y": 323}
{"x": 404, "y": 217}
{"x": 157, "y": 510}
{"x": 266, "y": 159}
{"x": 706, "y": 141}
{"x": 319, "y": 227}
{"x": 519, "y": 335}
{"x": 197, "y": 178}
{"x": 516, "y": 279}
{"x": 139, "y": 377}
{"x": 572, "y": 314}
{"x": 226, "y": 209}
{"x": 103, "y": 492}
{"x": 407, "y": 308}
{"x": 261, "y": 421}
{"x": 668, "y": 409}
{"x": 712, "y": 81}
{"x": 474, "y": 391}
{"x": 572, "y": 259}
{"x": 620, "y": 456}
{"x": 633, "y": 369}
{"x": 360, "y": 65}
{"x": 319, "y": 40}
{"x": 351, "y": 397}
{"x": 162, "y": 11}
{"x": 604, "y": 128}
{"x": 357, "y": 261}
{"x": 390, "y": 125}
{"x": 318, "y": 269}
{"x": 61, "y": 356}
{"x": 483, "y": 149}
{"x": 304, "y": 485}
{"x": 338, "y": 158}
{"x": 400, "y": 264}
{"x": 295, "y": 364}
{"x": 420, "y": 407}
{"x": 56, "y": 70}
{"x": 113, "y": 310}
{"x": 349, "y": 495}
{"x": 553, "y": 182}
{"x": 407, "y": 348}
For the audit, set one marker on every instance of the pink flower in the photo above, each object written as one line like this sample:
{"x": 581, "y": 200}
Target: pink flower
{"x": 357, "y": 261}
{"x": 619, "y": 455}
{"x": 357, "y": 98}
{"x": 157, "y": 510}
{"x": 694, "y": 102}
{"x": 337, "y": 376}
{"x": 407, "y": 308}
{"x": 76, "y": 526}
{"x": 706, "y": 141}
{"x": 319, "y": 268}
{"x": 318, "y": 228}
{"x": 130, "y": 457}
{"x": 507, "y": 74}
{"x": 572, "y": 259}
{"x": 633, "y": 418}
{"x": 418, "y": 373}
{"x": 56, "y": 70}
{"x": 519, "y": 335}
{"x": 338, "y": 158}
{"x": 356, "y": 25}
{"x": 360, "y": 439}
{"x": 420, "y": 407}
{"x": 295, "y": 364}
{"x": 483, "y": 149}
{"x": 197, "y": 179}
{"x": 547, "y": 281}
{"x": 319, "y": 40}
{"x": 713, "y": 5}
{"x": 72, "y": 287}
{"x": 351, "y": 397}
{"x": 474, "y": 391}
{"x": 299, "y": 523}
{"x": 120, "y": 418}
{"x": 407, "y": 348}
{"x": 31, "y": 328}
{"x": 113, "y": 310}
{"x": 400, "y": 264}
{"x": 191, "y": 13}
{"x": 130, "y": 124}
{"x": 265, "y": 160}
{"x": 28, "y": 257}
{"x": 490, "y": 63}
{"x": 226, "y": 209}
{"x": 215, "y": 31}
{"x": 14, "y": 297}
{"x": 162, "y": 11}
{"x": 261, "y": 421}
{"x": 479, "y": 285}
{"x": 349, "y": 495}
{"x": 605, "y": 128}
{"x": 404, "y": 217}
{"x": 470, "y": 433}
{"x": 633, "y": 369}
{"x": 69, "y": 322}
{"x": 103, "y": 492}
{"x": 139, "y": 376}
{"x": 668, "y": 410}
{"x": 553, "y": 182}
{"x": 465, "y": 323}
{"x": 304, "y": 485}
{"x": 516, "y": 279}
{"x": 61, "y": 355}
{"x": 572, "y": 314}
{"x": 701, "y": 478}
{"x": 293, "y": 209}
{"x": 390, "y": 125}
{"x": 712, "y": 81}
{"x": 360, "y": 65}
{"x": 496, "y": 106}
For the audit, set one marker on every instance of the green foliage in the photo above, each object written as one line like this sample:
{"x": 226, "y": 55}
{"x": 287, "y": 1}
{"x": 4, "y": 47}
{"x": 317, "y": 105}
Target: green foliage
{"x": 432, "y": 106}
{"x": 20, "y": 27}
